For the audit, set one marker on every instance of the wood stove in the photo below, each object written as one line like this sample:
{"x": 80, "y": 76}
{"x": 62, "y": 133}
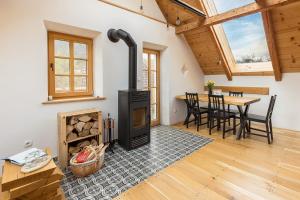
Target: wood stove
{"x": 133, "y": 105}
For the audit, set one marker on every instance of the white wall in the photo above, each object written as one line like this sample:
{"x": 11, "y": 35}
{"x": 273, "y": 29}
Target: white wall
{"x": 287, "y": 109}
{"x": 149, "y": 7}
{"x": 23, "y": 65}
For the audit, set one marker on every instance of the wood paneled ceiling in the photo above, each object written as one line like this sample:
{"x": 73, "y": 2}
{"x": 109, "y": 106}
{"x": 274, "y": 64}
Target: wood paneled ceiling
{"x": 281, "y": 22}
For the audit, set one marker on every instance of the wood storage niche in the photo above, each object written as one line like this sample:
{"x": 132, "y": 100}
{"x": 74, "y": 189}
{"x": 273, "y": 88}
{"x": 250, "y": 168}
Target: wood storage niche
{"x": 76, "y": 130}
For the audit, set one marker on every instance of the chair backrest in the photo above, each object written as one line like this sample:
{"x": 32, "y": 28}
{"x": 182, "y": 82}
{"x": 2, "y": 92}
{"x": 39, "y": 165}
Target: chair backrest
{"x": 235, "y": 94}
{"x": 192, "y": 101}
{"x": 271, "y": 107}
{"x": 216, "y": 104}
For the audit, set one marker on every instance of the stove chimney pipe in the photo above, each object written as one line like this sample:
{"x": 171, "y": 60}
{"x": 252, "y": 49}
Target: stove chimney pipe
{"x": 115, "y": 36}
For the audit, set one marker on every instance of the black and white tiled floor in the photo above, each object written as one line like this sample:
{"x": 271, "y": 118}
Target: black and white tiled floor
{"x": 124, "y": 169}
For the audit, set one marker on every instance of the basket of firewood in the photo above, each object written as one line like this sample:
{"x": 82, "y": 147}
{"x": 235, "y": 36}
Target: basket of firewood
{"x": 88, "y": 161}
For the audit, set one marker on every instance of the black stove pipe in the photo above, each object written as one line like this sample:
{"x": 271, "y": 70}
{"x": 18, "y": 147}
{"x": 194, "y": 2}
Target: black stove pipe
{"x": 114, "y": 36}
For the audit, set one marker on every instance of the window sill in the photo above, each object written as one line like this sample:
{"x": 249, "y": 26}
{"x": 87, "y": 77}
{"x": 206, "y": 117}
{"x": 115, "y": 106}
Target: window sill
{"x": 57, "y": 101}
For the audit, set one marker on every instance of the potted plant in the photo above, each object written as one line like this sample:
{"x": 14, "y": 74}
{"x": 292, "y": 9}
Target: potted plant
{"x": 210, "y": 85}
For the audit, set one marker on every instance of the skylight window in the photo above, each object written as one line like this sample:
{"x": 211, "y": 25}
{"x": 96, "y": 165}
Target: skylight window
{"x": 223, "y": 6}
{"x": 246, "y": 38}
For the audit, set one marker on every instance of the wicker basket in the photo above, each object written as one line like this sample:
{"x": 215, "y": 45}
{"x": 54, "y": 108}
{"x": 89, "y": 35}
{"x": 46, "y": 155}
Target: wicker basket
{"x": 89, "y": 167}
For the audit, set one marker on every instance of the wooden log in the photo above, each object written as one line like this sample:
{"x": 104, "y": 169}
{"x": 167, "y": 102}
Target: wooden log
{"x": 96, "y": 125}
{"x": 94, "y": 131}
{"x": 84, "y": 132}
{"x": 84, "y": 144}
{"x": 72, "y": 136}
{"x": 88, "y": 125}
{"x": 70, "y": 128}
{"x": 85, "y": 118}
{"x": 79, "y": 126}
{"x": 74, "y": 120}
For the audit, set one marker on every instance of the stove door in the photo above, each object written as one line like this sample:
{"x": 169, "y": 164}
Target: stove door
{"x": 140, "y": 119}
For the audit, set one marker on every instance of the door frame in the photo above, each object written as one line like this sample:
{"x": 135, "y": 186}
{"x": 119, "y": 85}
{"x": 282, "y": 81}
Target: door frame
{"x": 157, "y": 52}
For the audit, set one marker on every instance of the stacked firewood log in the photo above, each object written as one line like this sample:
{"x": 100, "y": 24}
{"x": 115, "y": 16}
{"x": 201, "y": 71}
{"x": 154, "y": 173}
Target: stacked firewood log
{"x": 81, "y": 126}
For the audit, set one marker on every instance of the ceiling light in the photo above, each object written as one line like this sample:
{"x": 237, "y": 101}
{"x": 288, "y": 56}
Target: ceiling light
{"x": 178, "y": 21}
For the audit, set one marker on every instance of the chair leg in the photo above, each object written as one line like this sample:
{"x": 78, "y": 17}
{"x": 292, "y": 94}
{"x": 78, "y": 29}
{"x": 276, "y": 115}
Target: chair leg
{"x": 234, "y": 125}
{"x": 187, "y": 122}
{"x": 200, "y": 119}
{"x": 268, "y": 133}
{"x": 249, "y": 122}
{"x": 229, "y": 122}
{"x": 197, "y": 122}
{"x": 271, "y": 129}
{"x": 208, "y": 120}
{"x": 211, "y": 124}
{"x": 224, "y": 128}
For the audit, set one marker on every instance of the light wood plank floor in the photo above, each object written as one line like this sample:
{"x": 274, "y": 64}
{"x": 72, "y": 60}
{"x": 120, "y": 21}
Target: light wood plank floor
{"x": 229, "y": 169}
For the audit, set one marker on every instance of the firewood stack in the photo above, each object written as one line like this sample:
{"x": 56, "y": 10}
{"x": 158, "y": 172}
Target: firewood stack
{"x": 82, "y": 126}
{"x": 43, "y": 184}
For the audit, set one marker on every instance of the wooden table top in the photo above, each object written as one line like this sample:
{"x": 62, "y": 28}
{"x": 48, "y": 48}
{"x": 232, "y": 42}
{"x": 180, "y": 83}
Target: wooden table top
{"x": 230, "y": 100}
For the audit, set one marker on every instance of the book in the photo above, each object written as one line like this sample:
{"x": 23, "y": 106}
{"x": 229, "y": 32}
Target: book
{"x": 26, "y": 156}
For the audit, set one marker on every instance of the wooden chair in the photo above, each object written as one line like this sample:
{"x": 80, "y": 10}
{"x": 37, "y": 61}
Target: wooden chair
{"x": 267, "y": 120}
{"x": 192, "y": 101}
{"x": 217, "y": 112}
{"x": 234, "y": 94}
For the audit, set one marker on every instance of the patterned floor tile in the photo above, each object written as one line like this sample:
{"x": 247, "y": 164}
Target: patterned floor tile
{"x": 124, "y": 169}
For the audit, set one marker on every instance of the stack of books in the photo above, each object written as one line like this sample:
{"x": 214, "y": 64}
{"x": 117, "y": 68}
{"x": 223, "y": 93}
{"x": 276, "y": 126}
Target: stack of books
{"x": 42, "y": 184}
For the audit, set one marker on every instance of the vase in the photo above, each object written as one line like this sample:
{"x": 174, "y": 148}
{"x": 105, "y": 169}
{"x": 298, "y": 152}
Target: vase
{"x": 210, "y": 91}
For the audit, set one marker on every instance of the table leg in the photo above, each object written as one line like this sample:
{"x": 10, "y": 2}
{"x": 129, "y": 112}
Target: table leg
{"x": 244, "y": 124}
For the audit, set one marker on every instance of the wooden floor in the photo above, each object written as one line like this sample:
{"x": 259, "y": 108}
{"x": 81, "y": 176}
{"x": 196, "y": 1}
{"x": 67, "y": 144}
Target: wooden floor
{"x": 229, "y": 169}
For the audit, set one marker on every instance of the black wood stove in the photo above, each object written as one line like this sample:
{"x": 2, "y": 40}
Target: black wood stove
{"x": 134, "y": 105}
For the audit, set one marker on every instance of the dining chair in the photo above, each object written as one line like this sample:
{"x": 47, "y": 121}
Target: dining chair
{"x": 193, "y": 108}
{"x": 217, "y": 112}
{"x": 234, "y": 94}
{"x": 267, "y": 120}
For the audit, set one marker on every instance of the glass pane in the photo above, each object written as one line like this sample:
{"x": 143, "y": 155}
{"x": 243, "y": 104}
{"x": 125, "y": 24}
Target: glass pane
{"x": 247, "y": 39}
{"x": 80, "y": 50}
{"x": 80, "y": 83}
{"x": 145, "y": 79}
{"x": 145, "y": 61}
{"x": 153, "y": 112}
{"x": 62, "y": 83}
{"x": 80, "y": 67}
{"x": 153, "y": 78}
{"x": 153, "y": 61}
{"x": 153, "y": 95}
{"x": 62, "y": 66}
{"x": 139, "y": 118}
{"x": 61, "y": 48}
{"x": 223, "y": 6}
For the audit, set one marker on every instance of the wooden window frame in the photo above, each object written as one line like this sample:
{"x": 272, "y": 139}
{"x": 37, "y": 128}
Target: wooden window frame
{"x": 157, "y": 53}
{"x": 52, "y": 36}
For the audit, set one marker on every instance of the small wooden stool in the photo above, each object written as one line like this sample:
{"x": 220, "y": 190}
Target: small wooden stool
{"x": 42, "y": 184}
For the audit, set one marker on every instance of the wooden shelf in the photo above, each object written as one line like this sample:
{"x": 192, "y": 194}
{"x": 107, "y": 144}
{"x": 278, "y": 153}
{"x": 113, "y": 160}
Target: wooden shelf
{"x": 81, "y": 138}
{"x": 63, "y": 121}
{"x": 56, "y": 101}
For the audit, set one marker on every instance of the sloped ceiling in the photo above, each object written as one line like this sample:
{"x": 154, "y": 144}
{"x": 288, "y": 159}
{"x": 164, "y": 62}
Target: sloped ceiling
{"x": 200, "y": 39}
{"x": 285, "y": 22}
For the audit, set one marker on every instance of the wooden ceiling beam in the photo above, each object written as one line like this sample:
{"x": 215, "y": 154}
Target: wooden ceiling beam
{"x": 219, "y": 47}
{"x": 189, "y": 26}
{"x": 273, "y": 51}
{"x": 246, "y": 10}
{"x": 260, "y": 2}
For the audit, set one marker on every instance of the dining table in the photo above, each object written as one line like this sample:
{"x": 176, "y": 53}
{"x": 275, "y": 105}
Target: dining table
{"x": 242, "y": 103}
